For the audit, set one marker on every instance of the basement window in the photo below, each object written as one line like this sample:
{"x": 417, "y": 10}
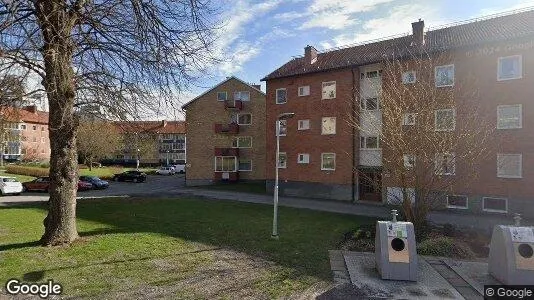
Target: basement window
{"x": 457, "y": 201}
{"x": 493, "y": 204}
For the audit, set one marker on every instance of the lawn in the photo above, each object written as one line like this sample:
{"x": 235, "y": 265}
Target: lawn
{"x": 104, "y": 172}
{"x": 176, "y": 248}
{"x": 245, "y": 187}
{"x": 21, "y": 178}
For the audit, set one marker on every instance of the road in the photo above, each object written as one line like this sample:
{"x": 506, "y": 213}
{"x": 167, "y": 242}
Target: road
{"x": 154, "y": 185}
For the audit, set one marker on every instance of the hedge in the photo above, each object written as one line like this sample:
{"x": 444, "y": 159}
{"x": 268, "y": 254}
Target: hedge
{"x": 28, "y": 171}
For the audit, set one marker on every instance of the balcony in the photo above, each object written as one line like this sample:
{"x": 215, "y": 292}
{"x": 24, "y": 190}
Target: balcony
{"x": 233, "y": 104}
{"x": 227, "y": 152}
{"x": 371, "y": 157}
{"x": 231, "y": 128}
{"x": 226, "y": 176}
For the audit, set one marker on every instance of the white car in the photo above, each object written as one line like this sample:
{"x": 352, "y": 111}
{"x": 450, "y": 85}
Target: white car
{"x": 179, "y": 169}
{"x": 10, "y": 185}
{"x": 165, "y": 171}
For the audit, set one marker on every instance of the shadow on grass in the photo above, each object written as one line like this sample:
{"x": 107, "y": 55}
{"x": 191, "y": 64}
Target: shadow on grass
{"x": 19, "y": 246}
{"x": 305, "y": 235}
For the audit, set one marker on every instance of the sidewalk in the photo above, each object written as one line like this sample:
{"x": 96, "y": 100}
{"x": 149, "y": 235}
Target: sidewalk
{"x": 485, "y": 222}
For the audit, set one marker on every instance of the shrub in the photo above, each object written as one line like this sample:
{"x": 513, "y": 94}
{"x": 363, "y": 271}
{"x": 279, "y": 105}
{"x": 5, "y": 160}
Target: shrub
{"x": 25, "y": 170}
{"x": 445, "y": 246}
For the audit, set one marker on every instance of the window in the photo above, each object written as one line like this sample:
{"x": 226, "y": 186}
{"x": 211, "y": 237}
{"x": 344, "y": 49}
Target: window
{"x": 178, "y": 146}
{"x": 304, "y": 90}
{"x": 445, "y": 119}
{"x": 328, "y": 125}
{"x": 225, "y": 163}
{"x": 304, "y": 125}
{"x": 509, "y": 116}
{"x": 369, "y": 142}
{"x": 242, "y": 142}
{"x": 328, "y": 161}
{"x": 408, "y": 119}
{"x": 329, "y": 90}
{"x": 510, "y": 67}
{"x": 282, "y": 160}
{"x": 493, "y": 204}
{"x": 457, "y": 201}
{"x": 42, "y": 139}
{"x": 409, "y": 161}
{"x": 509, "y": 165}
{"x": 281, "y": 96}
{"x": 371, "y": 74}
{"x": 282, "y": 127}
{"x": 34, "y": 127}
{"x": 408, "y": 77}
{"x": 166, "y": 146}
{"x": 370, "y": 104}
{"x": 23, "y": 126}
{"x": 444, "y": 75}
{"x": 245, "y": 164}
{"x": 303, "y": 158}
{"x": 222, "y": 96}
{"x": 244, "y": 119}
{"x": 445, "y": 164}
{"x": 243, "y": 96}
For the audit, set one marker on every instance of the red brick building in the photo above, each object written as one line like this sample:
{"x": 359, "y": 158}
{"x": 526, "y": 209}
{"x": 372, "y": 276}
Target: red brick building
{"x": 323, "y": 155}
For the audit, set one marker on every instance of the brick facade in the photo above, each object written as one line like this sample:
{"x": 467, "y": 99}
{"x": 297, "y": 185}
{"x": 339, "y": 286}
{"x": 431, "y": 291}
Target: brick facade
{"x": 210, "y": 128}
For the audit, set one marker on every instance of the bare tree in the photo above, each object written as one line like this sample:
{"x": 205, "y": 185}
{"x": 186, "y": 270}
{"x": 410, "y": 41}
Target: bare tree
{"x": 420, "y": 123}
{"x": 96, "y": 140}
{"x": 124, "y": 55}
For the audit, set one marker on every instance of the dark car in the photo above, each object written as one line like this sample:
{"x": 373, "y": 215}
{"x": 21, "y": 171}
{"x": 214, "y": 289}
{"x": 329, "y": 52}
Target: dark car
{"x": 134, "y": 176}
{"x": 43, "y": 183}
{"x": 96, "y": 182}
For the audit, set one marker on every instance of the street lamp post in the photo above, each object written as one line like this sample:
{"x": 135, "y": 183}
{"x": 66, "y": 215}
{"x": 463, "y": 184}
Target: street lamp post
{"x": 138, "y": 158}
{"x": 167, "y": 157}
{"x": 283, "y": 116}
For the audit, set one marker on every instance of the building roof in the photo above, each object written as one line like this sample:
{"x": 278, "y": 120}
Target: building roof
{"x": 221, "y": 83}
{"x": 27, "y": 114}
{"x": 159, "y": 127}
{"x": 511, "y": 25}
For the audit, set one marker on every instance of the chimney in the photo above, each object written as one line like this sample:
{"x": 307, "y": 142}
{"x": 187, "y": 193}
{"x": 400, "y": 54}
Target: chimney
{"x": 310, "y": 54}
{"x": 418, "y": 36}
{"x": 163, "y": 123}
{"x": 31, "y": 108}
{"x": 257, "y": 86}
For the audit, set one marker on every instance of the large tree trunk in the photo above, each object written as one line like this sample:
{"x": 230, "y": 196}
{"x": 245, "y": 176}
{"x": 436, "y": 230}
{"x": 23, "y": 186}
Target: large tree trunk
{"x": 56, "y": 26}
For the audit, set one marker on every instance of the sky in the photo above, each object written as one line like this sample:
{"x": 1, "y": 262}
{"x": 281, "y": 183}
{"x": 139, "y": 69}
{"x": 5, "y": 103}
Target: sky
{"x": 260, "y": 36}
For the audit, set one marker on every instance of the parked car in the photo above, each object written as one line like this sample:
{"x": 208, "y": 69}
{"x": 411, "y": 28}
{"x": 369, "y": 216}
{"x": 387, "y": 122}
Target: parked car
{"x": 10, "y": 185}
{"x": 96, "y": 182}
{"x": 38, "y": 184}
{"x": 134, "y": 176}
{"x": 165, "y": 171}
{"x": 179, "y": 169}
{"x": 84, "y": 186}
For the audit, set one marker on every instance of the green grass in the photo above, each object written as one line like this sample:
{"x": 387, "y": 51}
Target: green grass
{"x": 104, "y": 172}
{"x": 21, "y": 178}
{"x": 124, "y": 240}
{"x": 245, "y": 187}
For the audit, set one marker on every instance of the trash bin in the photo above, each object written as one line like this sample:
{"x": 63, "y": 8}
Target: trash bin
{"x": 395, "y": 250}
{"x": 511, "y": 257}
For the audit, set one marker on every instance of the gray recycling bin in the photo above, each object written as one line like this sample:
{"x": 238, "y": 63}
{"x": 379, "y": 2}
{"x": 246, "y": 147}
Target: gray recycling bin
{"x": 395, "y": 250}
{"x": 511, "y": 258}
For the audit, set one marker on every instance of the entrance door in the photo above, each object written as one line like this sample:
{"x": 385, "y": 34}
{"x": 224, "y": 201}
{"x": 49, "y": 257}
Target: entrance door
{"x": 370, "y": 183}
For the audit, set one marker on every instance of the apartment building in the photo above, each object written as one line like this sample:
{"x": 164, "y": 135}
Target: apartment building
{"x": 333, "y": 146}
{"x": 152, "y": 142}
{"x": 25, "y": 134}
{"x": 226, "y": 134}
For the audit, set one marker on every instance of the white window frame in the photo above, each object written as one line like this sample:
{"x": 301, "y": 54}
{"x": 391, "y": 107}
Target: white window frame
{"x": 225, "y": 96}
{"x": 244, "y": 124}
{"x": 304, "y": 88}
{"x": 495, "y": 210}
{"x": 406, "y": 161}
{"x": 499, "y": 67}
{"x": 322, "y": 125}
{"x": 238, "y": 95}
{"x": 305, "y": 160}
{"x": 365, "y": 142}
{"x": 223, "y": 157}
{"x": 499, "y": 155}
{"x": 279, "y": 160}
{"x": 279, "y": 122}
{"x": 238, "y": 138}
{"x": 456, "y": 206}
{"x": 328, "y": 83}
{"x": 436, "y": 119}
{"x": 405, "y": 119}
{"x": 437, "y": 157}
{"x": 243, "y": 170}
{"x": 322, "y": 161}
{"x": 276, "y": 95}
{"x": 436, "y": 74}
{"x": 404, "y": 77}
{"x": 306, "y": 121}
{"x": 499, "y": 126}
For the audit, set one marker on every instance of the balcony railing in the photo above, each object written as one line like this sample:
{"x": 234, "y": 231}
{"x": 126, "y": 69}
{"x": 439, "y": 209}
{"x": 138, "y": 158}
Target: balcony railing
{"x": 226, "y": 176}
{"x": 227, "y": 152}
{"x": 233, "y": 104}
{"x": 231, "y": 128}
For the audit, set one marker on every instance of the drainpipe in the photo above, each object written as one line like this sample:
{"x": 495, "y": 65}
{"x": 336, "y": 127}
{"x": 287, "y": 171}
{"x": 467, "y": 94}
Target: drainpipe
{"x": 353, "y": 104}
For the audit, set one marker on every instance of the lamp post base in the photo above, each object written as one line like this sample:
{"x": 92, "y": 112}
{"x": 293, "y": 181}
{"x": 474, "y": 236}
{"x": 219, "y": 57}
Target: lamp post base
{"x": 275, "y": 237}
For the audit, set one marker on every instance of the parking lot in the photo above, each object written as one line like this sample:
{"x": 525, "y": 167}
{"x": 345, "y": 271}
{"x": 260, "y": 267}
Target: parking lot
{"x": 154, "y": 185}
